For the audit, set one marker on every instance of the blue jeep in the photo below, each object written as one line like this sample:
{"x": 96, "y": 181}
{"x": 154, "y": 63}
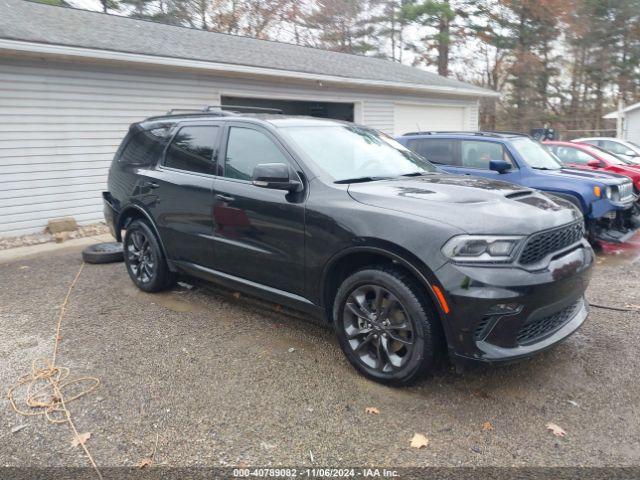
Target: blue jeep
{"x": 606, "y": 200}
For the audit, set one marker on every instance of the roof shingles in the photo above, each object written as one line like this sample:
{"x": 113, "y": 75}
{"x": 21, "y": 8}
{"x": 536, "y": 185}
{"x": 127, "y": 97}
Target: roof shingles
{"x": 33, "y": 22}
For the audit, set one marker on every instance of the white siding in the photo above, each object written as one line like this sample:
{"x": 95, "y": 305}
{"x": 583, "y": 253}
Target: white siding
{"x": 60, "y": 124}
{"x": 59, "y": 128}
{"x": 632, "y": 126}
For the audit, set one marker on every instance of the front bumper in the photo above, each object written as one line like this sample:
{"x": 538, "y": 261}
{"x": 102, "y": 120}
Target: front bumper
{"x": 502, "y": 314}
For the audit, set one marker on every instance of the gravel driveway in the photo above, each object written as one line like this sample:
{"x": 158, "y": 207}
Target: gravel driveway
{"x": 220, "y": 380}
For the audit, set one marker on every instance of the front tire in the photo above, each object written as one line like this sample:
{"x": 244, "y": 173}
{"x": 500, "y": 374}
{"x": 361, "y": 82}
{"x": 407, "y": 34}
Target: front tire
{"x": 144, "y": 259}
{"x": 386, "y": 326}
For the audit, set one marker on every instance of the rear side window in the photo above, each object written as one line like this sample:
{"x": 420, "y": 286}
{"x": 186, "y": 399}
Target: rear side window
{"x": 142, "y": 148}
{"x": 436, "y": 150}
{"x": 247, "y": 148}
{"x": 192, "y": 149}
{"x": 478, "y": 154}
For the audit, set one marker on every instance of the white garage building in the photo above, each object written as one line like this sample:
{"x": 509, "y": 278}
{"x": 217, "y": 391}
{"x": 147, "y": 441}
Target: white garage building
{"x": 72, "y": 81}
{"x": 628, "y": 128}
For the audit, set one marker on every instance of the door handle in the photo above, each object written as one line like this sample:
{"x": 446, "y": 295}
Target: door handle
{"x": 150, "y": 185}
{"x": 225, "y": 198}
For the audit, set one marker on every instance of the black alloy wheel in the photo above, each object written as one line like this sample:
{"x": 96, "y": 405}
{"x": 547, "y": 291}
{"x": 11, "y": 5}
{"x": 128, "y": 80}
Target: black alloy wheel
{"x": 142, "y": 261}
{"x": 386, "y": 325}
{"x": 145, "y": 261}
{"x": 378, "y": 328}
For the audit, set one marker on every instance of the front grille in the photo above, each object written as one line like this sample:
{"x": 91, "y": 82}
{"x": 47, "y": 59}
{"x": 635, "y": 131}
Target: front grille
{"x": 626, "y": 191}
{"x": 542, "y": 327}
{"x": 539, "y": 245}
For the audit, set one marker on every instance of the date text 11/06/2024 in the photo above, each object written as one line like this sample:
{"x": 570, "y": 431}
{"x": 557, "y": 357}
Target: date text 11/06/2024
{"x": 315, "y": 472}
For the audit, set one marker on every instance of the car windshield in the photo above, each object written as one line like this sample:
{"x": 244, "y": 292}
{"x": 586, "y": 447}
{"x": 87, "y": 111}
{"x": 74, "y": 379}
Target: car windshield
{"x": 634, "y": 144}
{"x": 609, "y": 157}
{"x": 351, "y": 152}
{"x": 535, "y": 154}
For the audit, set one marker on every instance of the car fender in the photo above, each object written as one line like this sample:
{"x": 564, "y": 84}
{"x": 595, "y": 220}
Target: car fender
{"x": 139, "y": 209}
{"x": 401, "y": 256}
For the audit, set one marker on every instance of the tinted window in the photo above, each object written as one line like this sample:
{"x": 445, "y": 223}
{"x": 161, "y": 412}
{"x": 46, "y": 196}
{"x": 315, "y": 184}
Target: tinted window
{"x": 247, "y": 148}
{"x": 436, "y": 150}
{"x": 478, "y": 154}
{"x": 143, "y": 148}
{"x": 572, "y": 155}
{"x": 192, "y": 149}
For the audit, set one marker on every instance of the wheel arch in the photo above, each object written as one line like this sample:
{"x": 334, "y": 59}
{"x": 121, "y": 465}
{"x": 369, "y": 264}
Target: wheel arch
{"x": 351, "y": 259}
{"x": 135, "y": 212}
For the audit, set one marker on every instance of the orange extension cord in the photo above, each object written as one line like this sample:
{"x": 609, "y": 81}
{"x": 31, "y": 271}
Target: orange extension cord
{"x": 46, "y": 382}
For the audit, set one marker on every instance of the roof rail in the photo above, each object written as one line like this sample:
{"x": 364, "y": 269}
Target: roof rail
{"x": 506, "y": 132}
{"x": 243, "y": 108}
{"x": 223, "y": 110}
{"x": 439, "y": 132}
{"x": 482, "y": 133}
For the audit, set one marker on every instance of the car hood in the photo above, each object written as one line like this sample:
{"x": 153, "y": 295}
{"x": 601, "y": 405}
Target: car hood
{"x": 474, "y": 205}
{"x": 604, "y": 178}
{"x": 632, "y": 171}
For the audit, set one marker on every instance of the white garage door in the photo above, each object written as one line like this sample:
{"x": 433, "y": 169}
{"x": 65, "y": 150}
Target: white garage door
{"x": 59, "y": 128}
{"x": 411, "y": 118}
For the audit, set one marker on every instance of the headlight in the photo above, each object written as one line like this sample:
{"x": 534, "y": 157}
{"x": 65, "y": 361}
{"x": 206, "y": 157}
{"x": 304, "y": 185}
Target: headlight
{"x": 482, "y": 248}
{"x": 608, "y": 192}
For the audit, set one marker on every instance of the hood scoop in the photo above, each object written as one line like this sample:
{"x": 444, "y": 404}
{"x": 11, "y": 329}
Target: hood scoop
{"x": 517, "y": 195}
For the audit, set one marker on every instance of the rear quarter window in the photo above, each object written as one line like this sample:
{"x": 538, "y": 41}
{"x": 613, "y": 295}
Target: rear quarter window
{"x": 143, "y": 147}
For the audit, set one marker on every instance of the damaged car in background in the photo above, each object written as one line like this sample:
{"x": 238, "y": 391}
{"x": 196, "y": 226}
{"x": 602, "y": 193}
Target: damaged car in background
{"x": 606, "y": 200}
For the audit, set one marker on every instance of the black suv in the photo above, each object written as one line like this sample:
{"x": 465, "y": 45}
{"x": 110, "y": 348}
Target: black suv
{"x": 406, "y": 261}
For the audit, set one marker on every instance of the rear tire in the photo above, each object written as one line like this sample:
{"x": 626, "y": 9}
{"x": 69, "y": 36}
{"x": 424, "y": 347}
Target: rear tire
{"x": 386, "y": 326}
{"x": 144, "y": 259}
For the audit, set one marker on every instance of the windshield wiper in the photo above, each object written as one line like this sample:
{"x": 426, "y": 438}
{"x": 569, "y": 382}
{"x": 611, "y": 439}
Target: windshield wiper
{"x": 544, "y": 168}
{"x": 418, "y": 174}
{"x": 360, "y": 179}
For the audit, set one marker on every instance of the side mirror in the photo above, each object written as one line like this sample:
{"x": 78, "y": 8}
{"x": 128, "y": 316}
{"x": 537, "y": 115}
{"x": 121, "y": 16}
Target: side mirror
{"x": 630, "y": 153}
{"x": 499, "y": 166}
{"x": 594, "y": 163}
{"x": 275, "y": 176}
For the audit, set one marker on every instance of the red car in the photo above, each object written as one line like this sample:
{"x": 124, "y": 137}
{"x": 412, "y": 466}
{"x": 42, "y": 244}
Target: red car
{"x": 582, "y": 155}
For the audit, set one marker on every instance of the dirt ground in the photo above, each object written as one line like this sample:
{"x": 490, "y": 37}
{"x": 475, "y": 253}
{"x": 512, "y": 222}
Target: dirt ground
{"x": 219, "y": 380}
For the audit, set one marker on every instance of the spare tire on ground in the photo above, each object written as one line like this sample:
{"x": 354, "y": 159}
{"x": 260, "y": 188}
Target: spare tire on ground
{"x": 108, "y": 252}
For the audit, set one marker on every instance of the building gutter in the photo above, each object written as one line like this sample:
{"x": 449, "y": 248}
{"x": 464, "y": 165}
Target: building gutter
{"x": 35, "y": 48}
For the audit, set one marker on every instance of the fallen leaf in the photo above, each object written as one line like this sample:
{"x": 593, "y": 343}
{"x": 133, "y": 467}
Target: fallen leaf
{"x": 572, "y": 402}
{"x": 291, "y": 350}
{"x": 81, "y": 439}
{"x": 557, "y": 430}
{"x": 23, "y": 267}
{"x": 372, "y": 410}
{"x": 487, "y": 426}
{"x": 419, "y": 441}
{"x": 18, "y": 428}
{"x": 145, "y": 462}
{"x": 236, "y": 294}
